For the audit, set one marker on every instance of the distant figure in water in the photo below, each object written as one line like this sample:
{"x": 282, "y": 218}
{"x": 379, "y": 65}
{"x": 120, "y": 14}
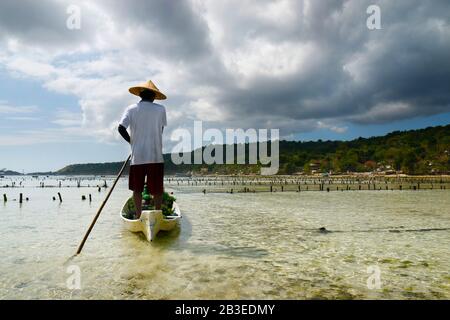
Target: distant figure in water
{"x": 146, "y": 121}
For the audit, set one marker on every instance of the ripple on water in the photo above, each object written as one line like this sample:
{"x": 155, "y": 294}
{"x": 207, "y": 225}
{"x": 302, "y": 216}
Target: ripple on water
{"x": 240, "y": 246}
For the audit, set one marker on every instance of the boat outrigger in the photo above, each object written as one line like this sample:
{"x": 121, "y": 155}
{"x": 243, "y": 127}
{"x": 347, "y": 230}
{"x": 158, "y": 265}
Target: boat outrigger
{"x": 151, "y": 221}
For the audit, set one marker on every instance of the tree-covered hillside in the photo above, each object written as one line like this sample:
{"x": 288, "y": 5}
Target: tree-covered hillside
{"x": 91, "y": 169}
{"x": 5, "y": 172}
{"x": 425, "y": 151}
{"x": 422, "y": 151}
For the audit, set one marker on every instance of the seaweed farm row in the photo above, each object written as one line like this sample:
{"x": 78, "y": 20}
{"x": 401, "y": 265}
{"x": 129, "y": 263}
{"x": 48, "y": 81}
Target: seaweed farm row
{"x": 244, "y": 184}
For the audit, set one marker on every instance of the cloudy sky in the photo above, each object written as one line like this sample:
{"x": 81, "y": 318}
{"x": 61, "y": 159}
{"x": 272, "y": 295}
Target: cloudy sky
{"x": 310, "y": 68}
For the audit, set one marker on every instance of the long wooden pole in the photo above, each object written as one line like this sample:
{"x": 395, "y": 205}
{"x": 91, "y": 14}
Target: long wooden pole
{"x": 102, "y": 206}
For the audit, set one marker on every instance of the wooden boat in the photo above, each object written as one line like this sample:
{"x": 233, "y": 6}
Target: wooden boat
{"x": 151, "y": 221}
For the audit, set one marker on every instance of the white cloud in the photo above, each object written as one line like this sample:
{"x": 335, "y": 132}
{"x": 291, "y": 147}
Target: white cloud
{"x": 30, "y": 68}
{"x": 65, "y": 118}
{"x": 262, "y": 58}
{"x": 331, "y": 127}
{"x": 43, "y": 136}
{"x": 23, "y": 118}
{"x": 6, "y": 108}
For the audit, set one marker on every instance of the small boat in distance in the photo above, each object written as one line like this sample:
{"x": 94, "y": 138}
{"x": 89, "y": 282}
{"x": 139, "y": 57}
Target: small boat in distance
{"x": 151, "y": 221}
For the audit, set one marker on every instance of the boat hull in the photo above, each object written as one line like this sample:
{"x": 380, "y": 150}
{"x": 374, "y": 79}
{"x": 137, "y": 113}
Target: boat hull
{"x": 151, "y": 222}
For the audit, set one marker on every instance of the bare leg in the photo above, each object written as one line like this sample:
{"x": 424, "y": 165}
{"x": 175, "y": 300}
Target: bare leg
{"x": 137, "y": 196}
{"x": 158, "y": 201}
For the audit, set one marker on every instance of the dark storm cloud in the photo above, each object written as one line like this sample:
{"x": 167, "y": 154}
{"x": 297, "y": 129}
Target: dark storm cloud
{"x": 403, "y": 70}
{"x": 43, "y": 23}
{"x": 171, "y": 28}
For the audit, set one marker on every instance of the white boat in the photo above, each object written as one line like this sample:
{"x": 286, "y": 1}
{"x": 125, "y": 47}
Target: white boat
{"x": 151, "y": 221}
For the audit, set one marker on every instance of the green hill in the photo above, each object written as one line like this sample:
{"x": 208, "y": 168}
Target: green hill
{"x": 4, "y": 172}
{"x": 424, "y": 151}
{"x": 98, "y": 169}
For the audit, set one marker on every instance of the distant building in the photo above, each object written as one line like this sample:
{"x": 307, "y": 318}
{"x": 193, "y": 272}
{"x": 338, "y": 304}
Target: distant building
{"x": 314, "y": 164}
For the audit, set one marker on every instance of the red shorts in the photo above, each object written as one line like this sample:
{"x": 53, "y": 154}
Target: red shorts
{"x": 155, "y": 178}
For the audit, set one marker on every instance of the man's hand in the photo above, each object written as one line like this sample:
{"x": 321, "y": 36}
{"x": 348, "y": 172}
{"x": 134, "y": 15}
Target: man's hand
{"x": 124, "y": 133}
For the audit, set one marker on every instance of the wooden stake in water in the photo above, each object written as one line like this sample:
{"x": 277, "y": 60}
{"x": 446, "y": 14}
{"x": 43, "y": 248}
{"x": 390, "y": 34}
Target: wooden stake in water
{"x": 102, "y": 206}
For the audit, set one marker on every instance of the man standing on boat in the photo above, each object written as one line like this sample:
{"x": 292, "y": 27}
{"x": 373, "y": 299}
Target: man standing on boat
{"x": 146, "y": 121}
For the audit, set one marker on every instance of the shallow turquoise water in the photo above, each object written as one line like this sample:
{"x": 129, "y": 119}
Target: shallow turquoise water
{"x": 229, "y": 246}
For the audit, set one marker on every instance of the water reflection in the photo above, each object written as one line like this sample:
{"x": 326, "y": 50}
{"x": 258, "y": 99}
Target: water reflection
{"x": 230, "y": 246}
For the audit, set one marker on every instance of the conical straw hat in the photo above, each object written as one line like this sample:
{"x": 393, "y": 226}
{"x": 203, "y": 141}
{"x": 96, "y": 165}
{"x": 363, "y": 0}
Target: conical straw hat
{"x": 149, "y": 85}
